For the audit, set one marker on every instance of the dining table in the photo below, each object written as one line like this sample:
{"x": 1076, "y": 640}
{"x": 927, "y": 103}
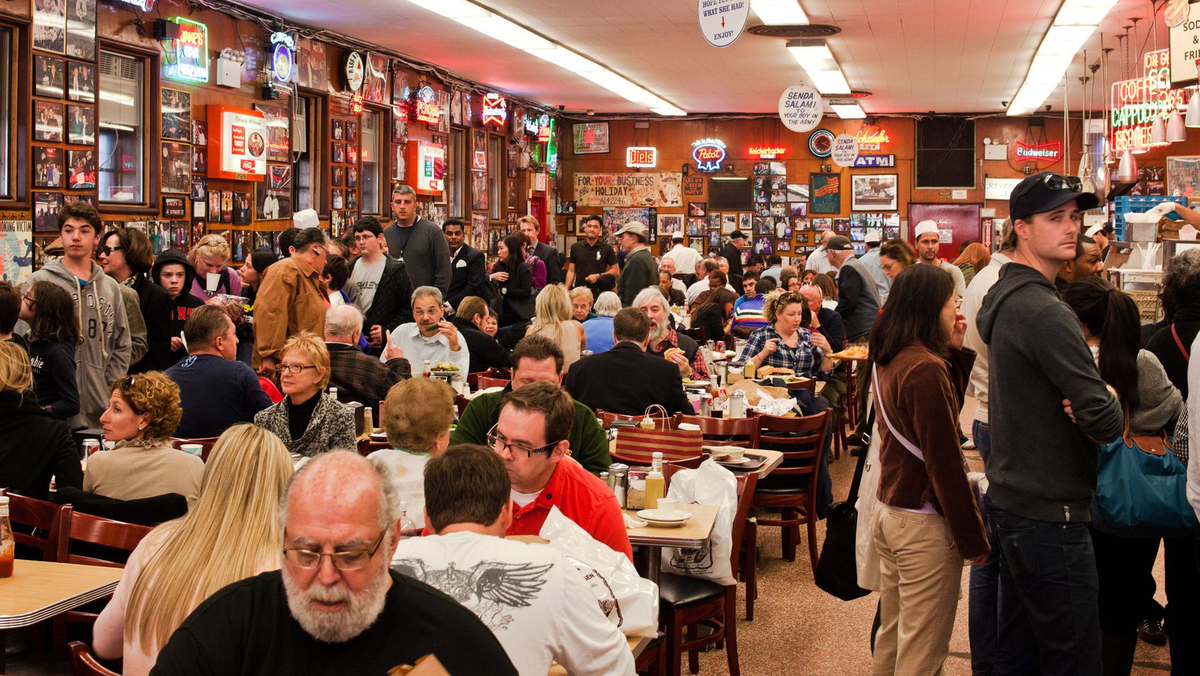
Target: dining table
{"x": 691, "y": 535}
{"x": 41, "y": 590}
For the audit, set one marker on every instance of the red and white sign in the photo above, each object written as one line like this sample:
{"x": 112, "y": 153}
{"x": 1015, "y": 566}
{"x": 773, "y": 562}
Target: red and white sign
{"x": 237, "y": 145}
{"x": 872, "y": 141}
{"x": 766, "y": 152}
{"x": 641, "y": 156}
{"x": 426, "y": 167}
{"x": 495, "y": 109}
{"x": 1050, "y": 153}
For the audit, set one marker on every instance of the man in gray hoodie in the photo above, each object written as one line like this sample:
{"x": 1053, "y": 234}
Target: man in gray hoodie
{"x": 104, "y": 354}
{"x": 1048, "y": 408}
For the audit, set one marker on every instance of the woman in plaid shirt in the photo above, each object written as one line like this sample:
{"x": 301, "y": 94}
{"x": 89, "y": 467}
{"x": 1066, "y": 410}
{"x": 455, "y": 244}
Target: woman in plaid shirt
{"x": 783, "y": 343}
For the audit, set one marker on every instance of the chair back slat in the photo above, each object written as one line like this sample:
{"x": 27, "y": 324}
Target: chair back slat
{"x": 801, "y": 441}
{"x": 101, "y": 532}
{"x": 43, "y": 522}
{"x": 740, "y": 432}
{"x": 672, "y": 466}
{"x": 84, "y": 663}
{"x": 486, "y": 382}
{"x": 206, "y": 444}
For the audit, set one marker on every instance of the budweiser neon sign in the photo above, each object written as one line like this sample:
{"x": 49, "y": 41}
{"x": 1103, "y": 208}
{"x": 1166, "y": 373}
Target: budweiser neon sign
{"x": 872, "y": 140}
{"x": 1135, "y": 102}
{"x": 495, "y": 109}
{"x": 709, "y": 153}
{"x": 1045, "y": 152}
{"x": 767, "y": 152}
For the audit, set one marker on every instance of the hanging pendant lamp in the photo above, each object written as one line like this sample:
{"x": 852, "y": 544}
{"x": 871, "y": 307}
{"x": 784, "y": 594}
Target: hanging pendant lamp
{"x": 1193, "y": 114}
{"x": 1107, "y": 153}
{"x": 1176, "y": 131}
{"x": 1158, "y": 131}
{"x": 1127, "y": 170}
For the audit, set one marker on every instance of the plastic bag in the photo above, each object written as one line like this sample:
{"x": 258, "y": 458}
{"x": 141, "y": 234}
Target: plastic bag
{"x": 628, "y": 600}
{"x": 711, "y": 484}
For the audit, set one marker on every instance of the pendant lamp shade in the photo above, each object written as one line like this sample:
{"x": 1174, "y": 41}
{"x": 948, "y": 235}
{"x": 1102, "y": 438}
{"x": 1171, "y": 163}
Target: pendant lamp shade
{"x": 1127, "y": 170}
{"x": 1102, "y": 182}
{"x": 1107, "y": 153}
{"x": 1176, "y": 131}
{"x": 1158, "y": 131}
{"x": 1193, "y": 114}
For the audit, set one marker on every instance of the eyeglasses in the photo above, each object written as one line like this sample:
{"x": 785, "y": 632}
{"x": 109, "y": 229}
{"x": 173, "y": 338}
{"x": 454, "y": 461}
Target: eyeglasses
{"x": 499, "y": 442}
{"x": 350, "y": 560}
{"x": 294, "y": 369}
{"x": 105, "y": 250}
{"x": 28, "y": 298}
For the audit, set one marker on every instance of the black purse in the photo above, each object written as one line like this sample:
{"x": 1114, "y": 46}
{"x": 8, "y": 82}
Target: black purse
{"x": 837, "y": 569}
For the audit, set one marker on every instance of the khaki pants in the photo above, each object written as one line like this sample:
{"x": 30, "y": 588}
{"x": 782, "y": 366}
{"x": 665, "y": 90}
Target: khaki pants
{"x": 920, "y": 573}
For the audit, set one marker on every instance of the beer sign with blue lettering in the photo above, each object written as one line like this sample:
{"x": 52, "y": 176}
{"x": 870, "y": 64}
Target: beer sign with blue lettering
{"x": 189, "y": 53}
{"x": 709, "y": 153}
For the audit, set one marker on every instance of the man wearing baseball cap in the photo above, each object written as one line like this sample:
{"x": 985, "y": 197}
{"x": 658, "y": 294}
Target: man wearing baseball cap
{"x": 732, "y": 252}
{"x": 928, "y": 242}
{"x": 1047, "y": 409}
{"x": 640, "y": 270}
{"x": 858, "y": 301}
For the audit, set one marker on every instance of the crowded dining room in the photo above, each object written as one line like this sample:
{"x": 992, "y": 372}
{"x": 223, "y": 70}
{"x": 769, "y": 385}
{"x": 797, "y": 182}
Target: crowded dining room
{"x": 652, "y": 391}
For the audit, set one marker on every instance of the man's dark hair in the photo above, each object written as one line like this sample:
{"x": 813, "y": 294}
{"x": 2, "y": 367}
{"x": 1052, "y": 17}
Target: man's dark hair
{"x": 305, "y": 238}
{"x": 631, "y": 324}
{"x": 537, "y": 348}
{"x": 549, "y": 400}
{"x": 912, "y": 313}
{"x": 593, "y": 217}
{"x": 466, "y": 484}
{"x": 750, "y": 275}
{"x": 139, "y": 254}
{"x": 80, "y": 211}
{"x": 204, "y": 325}
{"x": 773, "y": 260}
{"x": 287, "y": 240}
{"x": 710, "y": 265}
{"x": 765, "y": 285}
{"x": 369, "y": 224}
{"x": 338, "y": 271}
{"x": 453, "y": 221}
{"x": 754, "y": 259}
{"x": 10, "y": 306}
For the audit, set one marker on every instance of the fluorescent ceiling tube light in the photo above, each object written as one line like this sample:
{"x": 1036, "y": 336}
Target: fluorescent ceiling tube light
{"x": 779, "y": 12}
{"x": 848, "y": 111}
{"x": 830, "y": 82}
{"x": 1073, "y": 25}
{"x": 820, "y": 65}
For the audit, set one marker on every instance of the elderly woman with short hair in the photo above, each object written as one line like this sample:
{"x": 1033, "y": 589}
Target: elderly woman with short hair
{"x": 308, "y": 420}
{"x": 599, "y": 329}
{"x": 581, "y": 304}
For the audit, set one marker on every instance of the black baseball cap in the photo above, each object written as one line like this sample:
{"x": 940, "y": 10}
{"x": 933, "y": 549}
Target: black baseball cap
{"x": 839, "y": 243}
{"x": 737, "y": 234}
{"x": 1045, "y": 191}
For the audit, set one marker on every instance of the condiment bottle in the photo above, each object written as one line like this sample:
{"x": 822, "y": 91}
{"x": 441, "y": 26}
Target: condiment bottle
{"x": 333, "y": 392}
{"x": 368, "y": 421}
{"x": 655, "y": 485}
{"x": 750, "y": 370}
{"x": 737, "y": 405}
{"x": 7, "y": 543}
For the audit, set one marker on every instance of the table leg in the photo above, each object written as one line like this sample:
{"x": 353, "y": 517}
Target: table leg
{"x": 655, "y": 563}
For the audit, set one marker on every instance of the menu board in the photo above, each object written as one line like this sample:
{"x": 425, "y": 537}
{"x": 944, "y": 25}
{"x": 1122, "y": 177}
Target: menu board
{"x": 237, "y": 147}
{"x": 426, "y": 167}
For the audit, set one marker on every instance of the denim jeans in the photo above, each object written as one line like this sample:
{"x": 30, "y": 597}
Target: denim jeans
{"x": 1049, "y": 620}
{"x": 983, "y": 602}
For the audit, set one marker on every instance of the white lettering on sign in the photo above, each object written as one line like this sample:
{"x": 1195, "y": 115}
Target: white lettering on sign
{"x": 1185, "y": 50}
{"x": 801, "y": 108}
{"x": 722, "y": 21}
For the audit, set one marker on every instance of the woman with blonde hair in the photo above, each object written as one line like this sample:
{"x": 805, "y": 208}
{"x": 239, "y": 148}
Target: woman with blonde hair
{"x": 553, "y": 319}
{"x": 417, "y": 417}
{"x": 973, "y": 258}
{"x": 308, "y": 419}
{"x": 210, "y": 256}
{"x": 34, "y": 444}
{"x": 143, "y": 412}
{"x": 229, "y": 535}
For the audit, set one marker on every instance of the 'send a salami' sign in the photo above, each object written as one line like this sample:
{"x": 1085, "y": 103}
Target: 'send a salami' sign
{"x": 643, "y": 189}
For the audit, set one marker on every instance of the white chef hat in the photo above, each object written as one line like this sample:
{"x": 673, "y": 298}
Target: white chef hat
{"x": 925, "y": 227}
{"x": 306, "y": 218}
{"x": 1090, "y": 232}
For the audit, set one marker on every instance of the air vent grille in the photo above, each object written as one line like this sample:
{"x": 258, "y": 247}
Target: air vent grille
{"x": 812, "y": 30}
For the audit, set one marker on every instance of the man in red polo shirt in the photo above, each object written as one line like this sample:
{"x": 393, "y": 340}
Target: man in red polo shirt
{"x": 532, "y": 439}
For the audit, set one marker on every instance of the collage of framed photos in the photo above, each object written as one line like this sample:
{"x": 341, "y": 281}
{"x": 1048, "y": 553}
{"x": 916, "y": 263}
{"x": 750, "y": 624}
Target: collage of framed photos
{"x": 343, "y": 177}
{"x": 64, "y": 162}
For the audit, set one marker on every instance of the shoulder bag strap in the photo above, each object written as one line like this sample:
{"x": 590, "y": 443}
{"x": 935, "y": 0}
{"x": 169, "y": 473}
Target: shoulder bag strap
{"x": 1175, "y": 334}
{"x": 879, "y": 405}
{"x": 862, "y": 461}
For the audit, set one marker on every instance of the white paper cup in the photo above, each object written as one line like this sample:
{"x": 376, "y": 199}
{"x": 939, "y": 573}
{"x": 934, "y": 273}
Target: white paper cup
{"x": 735, "y": 453}
{"x": 666, "y": 506}
{"x": 194, "y": 449}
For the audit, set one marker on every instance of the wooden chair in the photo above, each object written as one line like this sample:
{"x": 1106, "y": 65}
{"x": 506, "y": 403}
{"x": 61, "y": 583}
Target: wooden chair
{"x": 206, "y": 444}
{"x": 741, "y": 432}
{"x": 809, "y": 384}
{"x": 486, "y": 382}
{"x": 697, "y": 333}
{"x": 461, "y": 402}
{"x": 114, "y": 540}
{"x": 473, "y": 378}
{"x": 44, "y": 523}
{"x": 85, "y": 663}
{"x": 792, "y": 487}
{"x": 689, "y": 602}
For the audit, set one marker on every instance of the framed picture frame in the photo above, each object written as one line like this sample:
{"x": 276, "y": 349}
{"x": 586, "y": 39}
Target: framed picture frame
{"x": 339, "y": 130}
{"x": 174, "y": 207}
{"x": 81, "y": 82}
{"x": 590, "y": 138}
{"x": 176, "y": 167}
{"x": 81, "y": 169}
{"x": 569, "y": 223}
{"x": 826, "y": 193}
{"x": 874, "y": 192}
{"x": 49, "y": 76}
{"x": 47, "y": 167}
{"x": 50, "y": 26}
{"x": 48, "y": 121}
{"x": 81, "y": 29}
{"x": 697, "y": 209}
{"x": 46, "y": 206}
{"x": 176, "y": 115}
{"x": 81, "y": 125}
{"x": 1183, "y": 177}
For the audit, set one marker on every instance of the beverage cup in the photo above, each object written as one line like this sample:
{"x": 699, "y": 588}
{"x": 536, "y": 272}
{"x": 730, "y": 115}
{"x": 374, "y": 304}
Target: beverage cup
{"x": 666, "y": 507}
{"x": 735, "y": 454}
{"x": 193, "y": 449}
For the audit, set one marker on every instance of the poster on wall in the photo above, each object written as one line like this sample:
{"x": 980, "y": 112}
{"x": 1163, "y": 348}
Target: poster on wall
{"x": 479, "y": 190}
{"x": 479, "y": 226}
{"x": 274, "y": 195}
{"x": 375, "y": 70}
{"x": 50, "y": 25}
{"x": 176, "y": 165}
{"x": 826, "y": 195}
{"x": 314, "y": 66}
{"x": 1183, "y": 177}
{"x": 237, "y": 144}
{"x": 81, "y": 29}
{"x": 16, "y": 251}
{"x": 874, "y": 192}
{"x": 176, "y": 115}
{"x": 279, "y": 129}
{"x": 399, "y": 162}
{"x": 628, "y": 190}
{"x": 591, "y": 138}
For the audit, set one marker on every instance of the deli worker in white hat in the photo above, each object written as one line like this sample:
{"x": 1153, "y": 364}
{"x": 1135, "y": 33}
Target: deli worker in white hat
{"x": 928, "y": 243}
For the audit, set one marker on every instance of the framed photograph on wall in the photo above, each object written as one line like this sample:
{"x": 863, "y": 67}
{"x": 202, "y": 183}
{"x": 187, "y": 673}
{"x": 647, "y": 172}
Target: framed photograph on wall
{"x": 81, "y": 170}
{"x": 48, "y": 121}
{"x": 81, "y": 29}
{"x": 46, "y": 206}
{"x": 1183, "y": 177}
{"x": 81, "y": 82}
{"x": 591, "y": 138}
{"x": 176, "y": 115}
{"x": 47, "y": 167}
{"x": 81, "y": 125}
{"x": 50, "y": 25}
{"x": 174, "y": 207}
{"x": 49, "y": 76}
{"x": 874, "y": 192}
{"x": 176, "y": 167}
{"x": 826, "y": 195}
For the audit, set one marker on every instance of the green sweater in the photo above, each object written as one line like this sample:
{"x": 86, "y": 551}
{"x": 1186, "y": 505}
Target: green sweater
{"x": 640, "y": 272}
{"x": 589, "y": 445}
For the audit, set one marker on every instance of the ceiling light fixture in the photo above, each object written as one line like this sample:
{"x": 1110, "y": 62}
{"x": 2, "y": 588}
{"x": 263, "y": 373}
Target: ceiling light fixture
{"x": 1073, "y": 25}
{"x": 779, "y": 12}
{"x": 848, "y": 111}
{"x": 820, "y": 65}
{"x": 515, "y": 35}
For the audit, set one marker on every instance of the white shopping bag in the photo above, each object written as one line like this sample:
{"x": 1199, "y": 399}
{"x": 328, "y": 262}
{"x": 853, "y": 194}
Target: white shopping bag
{"x": 866, "y": 556}
{"x": 714, "y": 485}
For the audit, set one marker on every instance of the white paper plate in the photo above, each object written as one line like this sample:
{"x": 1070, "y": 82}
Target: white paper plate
{"x": 655, "y": 516}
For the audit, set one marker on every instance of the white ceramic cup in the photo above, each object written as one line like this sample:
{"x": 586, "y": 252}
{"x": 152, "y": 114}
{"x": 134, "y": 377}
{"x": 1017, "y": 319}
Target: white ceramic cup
{"x": 666, "y": 506}
{"x": 735, "y": 453}
{"x": 194, "y": 449}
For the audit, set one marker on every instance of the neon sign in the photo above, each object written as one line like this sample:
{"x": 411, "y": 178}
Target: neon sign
{"x": 641, "y": 156}
{"x": 495, "y": 109}
{"x": 543, "y": 129}
{"x": 144, "y": 5}
{"x": 283, "y": 56}
{"x": 1135, "y": 102}
{"x": 190, "y": 51}
{"x": 767, "y": 152}
{"x": 709, "y": 153}
{"x": 872, "y": 140}
{"x": 1045, "y": 152}
{"x": 426, "y": 108}
{"x": 356, "y": 104}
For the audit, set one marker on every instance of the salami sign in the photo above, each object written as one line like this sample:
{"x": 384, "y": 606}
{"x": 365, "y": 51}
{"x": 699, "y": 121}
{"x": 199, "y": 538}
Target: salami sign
{"x": 642, "y": 189}
{"x": 722, "y": 21}
{"x": 845, "y": 150}
{"x": 801, "y": 108}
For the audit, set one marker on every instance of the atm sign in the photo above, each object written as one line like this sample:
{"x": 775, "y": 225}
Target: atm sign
{"x": 641, "y": 156}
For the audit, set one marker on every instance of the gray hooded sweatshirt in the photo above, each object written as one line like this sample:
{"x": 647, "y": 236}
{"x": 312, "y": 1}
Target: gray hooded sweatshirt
{"x": 104, "y": 355}
{"x": 1042, "y": 465}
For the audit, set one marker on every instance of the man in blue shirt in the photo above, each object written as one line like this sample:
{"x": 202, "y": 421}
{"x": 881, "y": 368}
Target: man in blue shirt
{"x": 215, "y": 390}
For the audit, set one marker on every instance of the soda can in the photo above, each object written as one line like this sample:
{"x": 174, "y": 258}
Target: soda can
{"x": 90, "y": 446}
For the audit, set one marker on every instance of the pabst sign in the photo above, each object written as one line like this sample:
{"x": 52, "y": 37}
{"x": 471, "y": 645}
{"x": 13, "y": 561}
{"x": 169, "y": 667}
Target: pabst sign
{"x": 1049, "y": 153}
{"x": 709, "y": 153}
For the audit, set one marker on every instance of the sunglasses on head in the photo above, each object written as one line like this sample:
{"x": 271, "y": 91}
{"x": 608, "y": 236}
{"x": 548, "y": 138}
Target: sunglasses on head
{"x": 1055, "y": 182}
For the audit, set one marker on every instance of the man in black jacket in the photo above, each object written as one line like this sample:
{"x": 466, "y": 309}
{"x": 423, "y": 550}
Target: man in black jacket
{"x": 732, "y": 252}
{"x": 468, "y": 273}
{"x": 379, "y": 285}
{"x": 626, "y": 379}
{"x": 531, "y": 230}
{"x": 485, "y": 352}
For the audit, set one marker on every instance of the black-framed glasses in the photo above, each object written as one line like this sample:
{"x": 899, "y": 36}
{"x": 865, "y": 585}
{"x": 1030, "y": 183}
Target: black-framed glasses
{"x": 348, "y": 560}
{"x": 294, "y": 369}
{"x": 499, "y": 441}
{"x": 1056, "y": 182}
{"x": 106, "y": 250}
